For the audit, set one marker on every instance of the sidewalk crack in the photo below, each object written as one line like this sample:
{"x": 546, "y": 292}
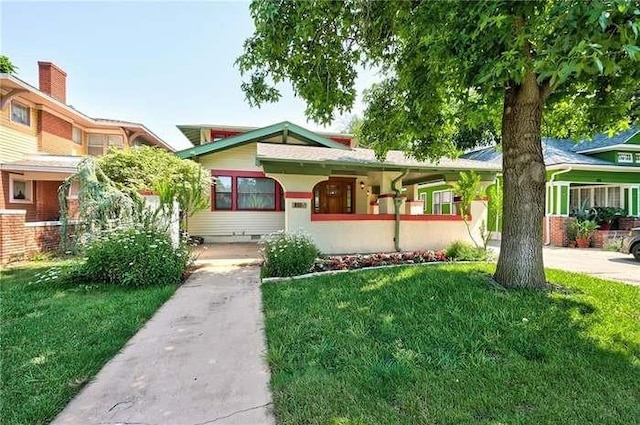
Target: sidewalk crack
{"x": 233, "y": 414}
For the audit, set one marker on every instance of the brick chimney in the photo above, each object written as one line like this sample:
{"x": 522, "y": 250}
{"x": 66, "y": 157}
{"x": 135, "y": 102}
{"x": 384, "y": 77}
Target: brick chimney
{"x": 53, "y": 81}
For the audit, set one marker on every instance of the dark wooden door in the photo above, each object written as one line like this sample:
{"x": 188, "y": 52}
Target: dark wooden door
{"x": 334, "y": 196}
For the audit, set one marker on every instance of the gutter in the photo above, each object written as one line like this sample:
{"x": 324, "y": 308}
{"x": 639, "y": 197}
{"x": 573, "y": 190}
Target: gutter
{"x": 553, "y": 176}
{"x": 397, "y": 200}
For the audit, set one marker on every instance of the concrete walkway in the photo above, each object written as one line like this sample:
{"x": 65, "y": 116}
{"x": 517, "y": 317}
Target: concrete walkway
{"x": 198, "y": 361}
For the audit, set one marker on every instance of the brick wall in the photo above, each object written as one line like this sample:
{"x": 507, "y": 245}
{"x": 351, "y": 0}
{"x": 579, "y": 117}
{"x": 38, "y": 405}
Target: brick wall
{"x": 52, "y": 124}
{"x": 557, "y": 230}
{"x": 19, "y": 238}
{"x": 47, "y": 206}
{"x": 4, "y": 199}
{"x": 601, "y": 237}
{"x": 628, "y": 223}
{"x": 11, "y": 234}
{"x": 53, "y": 81}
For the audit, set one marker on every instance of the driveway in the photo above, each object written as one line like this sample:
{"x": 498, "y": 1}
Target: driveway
{"x": 199, "y": 360}
{"x": 596, "y": 262}
{"x": 604, "y": 264}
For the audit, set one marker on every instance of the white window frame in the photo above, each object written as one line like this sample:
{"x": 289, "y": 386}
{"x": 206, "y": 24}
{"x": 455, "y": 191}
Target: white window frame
{"x": 21, "y": 105}
{"x": 577, "y": 189}
{"x": 423, "y": 197}
{"x": 637, "y": 158}
{"x": 103, "y": 144}
{"x": 628, "y": 155}
{"x": 28, "y": 197}
{"x": 450, "y": 203}
{"x": 75, "y": 130}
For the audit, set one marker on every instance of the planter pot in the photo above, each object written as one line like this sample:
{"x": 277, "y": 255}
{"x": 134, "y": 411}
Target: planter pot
{"x": 583, "y": 242}
{"x": 571, "y": 245}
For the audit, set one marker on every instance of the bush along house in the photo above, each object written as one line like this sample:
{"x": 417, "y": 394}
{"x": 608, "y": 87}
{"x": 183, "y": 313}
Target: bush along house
{"x": 42, "y": 140}
{"x": 286, "y": 177}
{"x": 599, "y": 174}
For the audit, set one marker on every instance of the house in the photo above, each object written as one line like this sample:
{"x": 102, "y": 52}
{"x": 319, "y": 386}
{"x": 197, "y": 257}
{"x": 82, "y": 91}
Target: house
{"x": 603, "y": 172}
{"x": 42, "y": 140}
{"x": 285, "y": 177}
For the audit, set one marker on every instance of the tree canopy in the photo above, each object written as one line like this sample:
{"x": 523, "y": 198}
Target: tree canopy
{"x": 457, "y": 74}
{"x": 6, "y": 67}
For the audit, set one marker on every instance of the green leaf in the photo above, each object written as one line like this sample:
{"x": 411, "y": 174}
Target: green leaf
{"x": 632, "y": 50}
{"x": 599, "y": 64}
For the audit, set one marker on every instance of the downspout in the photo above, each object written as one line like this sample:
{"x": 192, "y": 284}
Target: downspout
{"x": 553, "y": 176}
{"x": 397, "y": 200}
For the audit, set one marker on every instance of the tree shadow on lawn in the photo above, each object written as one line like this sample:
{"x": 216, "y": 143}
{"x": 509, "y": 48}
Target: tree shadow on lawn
{"x": 439, "y": 345}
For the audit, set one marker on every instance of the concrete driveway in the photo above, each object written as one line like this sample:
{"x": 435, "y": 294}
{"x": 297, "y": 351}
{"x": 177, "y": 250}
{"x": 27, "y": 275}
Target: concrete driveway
{"x": 198, "y": 361}
{"x": 596, "y": 262}
{"x": 604, "y": 264}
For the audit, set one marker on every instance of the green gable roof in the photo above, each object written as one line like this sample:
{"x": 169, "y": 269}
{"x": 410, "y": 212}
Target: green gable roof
{"x": 285, "y": 128}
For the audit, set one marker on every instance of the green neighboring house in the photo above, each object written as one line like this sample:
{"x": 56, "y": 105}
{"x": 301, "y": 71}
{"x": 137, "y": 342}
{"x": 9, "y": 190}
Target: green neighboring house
{"x": 602, "y": 172}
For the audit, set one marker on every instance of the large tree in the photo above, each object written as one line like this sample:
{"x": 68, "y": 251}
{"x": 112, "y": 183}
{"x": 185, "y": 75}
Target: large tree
{"x": 456, "y": 73}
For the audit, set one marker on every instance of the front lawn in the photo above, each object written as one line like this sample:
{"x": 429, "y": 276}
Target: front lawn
{"x": 55, "y": 337}
{"x": 440, "y": 345}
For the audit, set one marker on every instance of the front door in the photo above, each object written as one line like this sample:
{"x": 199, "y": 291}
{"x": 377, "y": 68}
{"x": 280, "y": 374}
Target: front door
{"x": 334, "y": 196}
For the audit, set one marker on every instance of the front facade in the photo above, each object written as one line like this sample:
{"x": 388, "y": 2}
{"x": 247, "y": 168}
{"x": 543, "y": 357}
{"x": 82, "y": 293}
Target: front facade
{"x": 285, "y": 177}
{"x": 42, "y": 140}
{"x": 603, "y": 172}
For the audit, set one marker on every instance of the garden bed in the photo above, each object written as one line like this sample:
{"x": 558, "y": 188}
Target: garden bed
{"x": 360, "y": 261}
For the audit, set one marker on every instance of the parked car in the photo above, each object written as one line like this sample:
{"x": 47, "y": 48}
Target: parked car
{"x": 631, "y": 244}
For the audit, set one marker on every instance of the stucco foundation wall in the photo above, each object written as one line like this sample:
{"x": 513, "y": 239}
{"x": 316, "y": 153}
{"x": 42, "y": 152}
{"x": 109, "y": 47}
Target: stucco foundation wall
{"x": 366, "y": 236}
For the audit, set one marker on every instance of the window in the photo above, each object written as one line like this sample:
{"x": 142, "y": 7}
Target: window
{"x": 423, "y": 198}
{"x": 638, "y": 158}
{"x": 96, "y": 144}
{"x": 223, "y": 190}
{"x": 115, "y": 141}
{"x": 20, "y": 113}
{"x": 246, "y": 193}
{"x": 256, "y": 193}
{"x": 443, "y": 202}
{"x": 20, "y": 190}
{"x": 76, "y": 135}
{"x": 625, "y": 157}
{"x": 596, "y": 196}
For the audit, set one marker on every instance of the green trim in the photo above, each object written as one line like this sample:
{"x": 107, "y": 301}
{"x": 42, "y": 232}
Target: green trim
{"x": 564, "y": 200}
{"x": 428, "y": 203}
{"x": 284, "y": 128}
{"x": 583, "y": 176}
{"x": 635, "y": 202}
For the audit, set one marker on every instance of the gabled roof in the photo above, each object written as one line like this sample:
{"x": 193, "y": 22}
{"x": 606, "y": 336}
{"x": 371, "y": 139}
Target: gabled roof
{"x": 602, "y": 141}
{"x": 22, "y": 88}
{"x": 285, "y": 128}
{"x": 366, "y": 158}
{"x": 555, "y": 151}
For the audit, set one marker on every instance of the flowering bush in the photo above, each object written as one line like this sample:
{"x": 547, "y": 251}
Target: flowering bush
{"x": 287, "y": 254}
{"x": 135, "y": 257}
{"x": 352, "y": 262}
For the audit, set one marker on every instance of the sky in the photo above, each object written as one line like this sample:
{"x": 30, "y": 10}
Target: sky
{"x": 157, "y": 63}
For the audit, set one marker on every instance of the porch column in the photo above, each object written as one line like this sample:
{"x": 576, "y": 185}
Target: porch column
{"x": 387, "y": 194}
{"x": 298, "y": 192}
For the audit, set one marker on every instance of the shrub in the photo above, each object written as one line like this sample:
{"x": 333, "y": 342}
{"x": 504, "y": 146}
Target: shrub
{"x": 613, "y": 244}
{"x": 360, "y": 261}
{"x": 135, "y": 257}
{"x": 287, "y": 254}
{"x": 463, "y": 251}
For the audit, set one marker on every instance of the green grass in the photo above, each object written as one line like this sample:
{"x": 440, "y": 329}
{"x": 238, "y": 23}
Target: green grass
{"x": 440, "y": 345}
{"x": 55, "y": 337}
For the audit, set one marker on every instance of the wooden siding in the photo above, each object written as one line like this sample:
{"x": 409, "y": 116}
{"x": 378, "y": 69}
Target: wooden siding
{"x": 239, "y": 158}
{"x": 15, "y": 144}
{"x": 235, "y": 223}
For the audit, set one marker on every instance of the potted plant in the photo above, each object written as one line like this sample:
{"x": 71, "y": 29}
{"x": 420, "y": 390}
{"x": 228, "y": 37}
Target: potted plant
{"x": 572, "y": 233}
{"x": 585, "y": 229}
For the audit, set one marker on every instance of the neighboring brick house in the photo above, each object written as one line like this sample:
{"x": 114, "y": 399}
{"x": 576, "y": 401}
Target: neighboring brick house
{"x": 42, "y": 140}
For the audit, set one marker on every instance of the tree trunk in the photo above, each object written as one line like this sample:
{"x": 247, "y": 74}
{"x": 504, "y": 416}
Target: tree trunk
{"x": 520, "y": 263}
